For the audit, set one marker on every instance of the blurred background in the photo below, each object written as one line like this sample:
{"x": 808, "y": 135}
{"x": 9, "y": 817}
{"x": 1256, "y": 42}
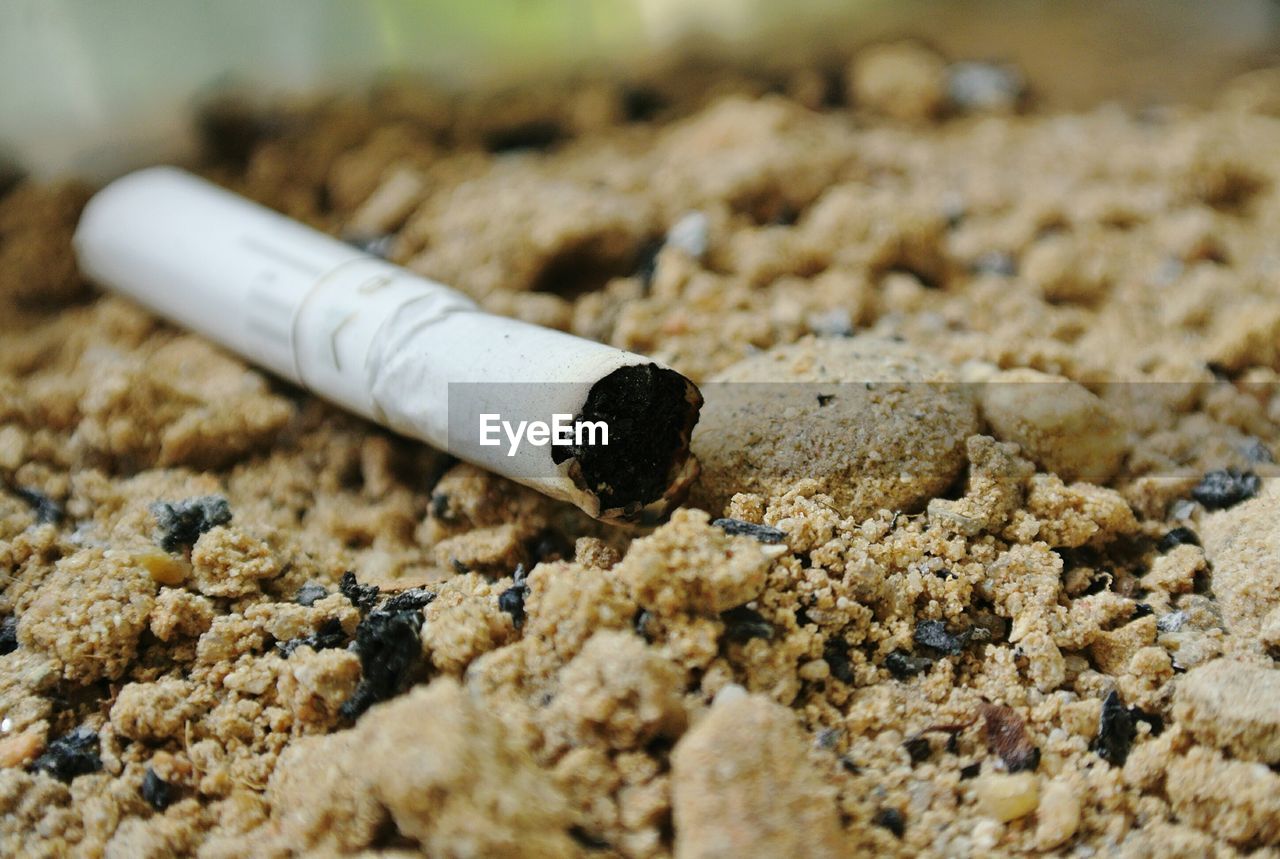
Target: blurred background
{"x": 97, "y": 86}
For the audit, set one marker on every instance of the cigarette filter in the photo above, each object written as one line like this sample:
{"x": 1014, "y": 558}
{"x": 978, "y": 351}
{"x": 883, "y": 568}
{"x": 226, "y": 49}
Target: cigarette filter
{"x": 409, "y": 353}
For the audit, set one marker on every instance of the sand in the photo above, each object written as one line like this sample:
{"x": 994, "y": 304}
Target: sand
{"x": 964, "y": 611}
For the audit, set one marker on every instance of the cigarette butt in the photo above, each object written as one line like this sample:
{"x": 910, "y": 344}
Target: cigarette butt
{"x": 394, "y": 347}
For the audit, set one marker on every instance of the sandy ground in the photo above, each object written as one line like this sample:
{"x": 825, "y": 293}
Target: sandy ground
{"x": 983, "y": 558}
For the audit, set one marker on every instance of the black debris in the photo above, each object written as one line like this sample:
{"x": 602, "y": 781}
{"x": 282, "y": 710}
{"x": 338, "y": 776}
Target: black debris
{"x": 8, "y": 635}
{"x": 156, "y": 791}
{"x": 836, "y": 654}
{"x": 534, "y": 135}
{"x": 48, "y": 511}
{"x": 828, "y": 738}
{"x": 743, "y": 624}
{"x": 848, "y": 765}
{"x": 902, "y": 664}
{"x": 1142, "y": 610}
{"x": 512, "y": 602}
{"x": 650, "y": 411}
{"x": 440, "y": 506}
{"x": 552, "y": 546}
{"x": 389, "y": 650}
{"x": 890, "y": 819}
{"x": 739, "y": 528}
{"x": 1257, "y": 451}
{"x": 933, "y": 634}
{"x": 230, "y": 130}
{"x": 918, "y": 748}
{"x": 646, "y": 264}
{"x": 410, "y": 600}
{"x": 969, "y": 771}
{"x": 11, "y": 175}
{"x": 182, "y": 523}
{"x": 586, "y": 840}
{"x": 330, "y": 634}
{"x": 72, "y": 754}
{"x": 642, "y": 103}
{"x": 459, "y": 567}
{"x": 1116, "y": 731}
{"x": 1180, "y": 536}
{"x": 825, "y": 399}
{"x": 309, "y": 593}
{"x": 1153, "y": 720}
{"x": 641, "y": 623}
{"x": 1225, "y": 488}
{"x": 361, "y": 596}
{"x": 1218, "y": 370}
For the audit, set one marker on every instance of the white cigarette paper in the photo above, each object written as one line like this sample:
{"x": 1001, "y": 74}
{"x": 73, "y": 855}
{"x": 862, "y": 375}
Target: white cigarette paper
{"x": 388, "y": 344}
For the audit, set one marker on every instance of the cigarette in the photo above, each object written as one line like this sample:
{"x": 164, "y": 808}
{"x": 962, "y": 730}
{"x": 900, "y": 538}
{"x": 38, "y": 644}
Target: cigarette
{"x": 396, "y": 348}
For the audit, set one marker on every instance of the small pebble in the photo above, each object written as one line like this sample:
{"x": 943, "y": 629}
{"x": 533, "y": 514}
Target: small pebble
{"x": 888, "y": 437}
{"x": 1058, "y": 815}
{"x": 690, "y": 234}
{"x": 1255, "y": 450}
{"x": 1007, "y": 796}
{"x": 988, "y": 87}
{"x": 728, "y": 693}
{"x": 309, "y": 593}
{"x": 903, "y": 80}
{"x": 1233, "y": 706}
{"x": 1057, "y": 422}
{"x": 736, "y": 789}
{"x": 998, "y": 263}
{"x": 164, "y": 568}
{"x": 830, "y": 323}
{"x": 388, "y": 206}
{"x": 17, "y": 750}
{"x": 1242, "y": 547}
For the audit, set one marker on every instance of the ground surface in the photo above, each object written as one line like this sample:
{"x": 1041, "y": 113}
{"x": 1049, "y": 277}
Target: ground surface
{"x": 1060, "y": 636}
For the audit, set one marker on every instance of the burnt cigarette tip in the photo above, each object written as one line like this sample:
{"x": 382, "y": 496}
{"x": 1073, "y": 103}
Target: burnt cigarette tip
{"x": 647, "y": 467}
